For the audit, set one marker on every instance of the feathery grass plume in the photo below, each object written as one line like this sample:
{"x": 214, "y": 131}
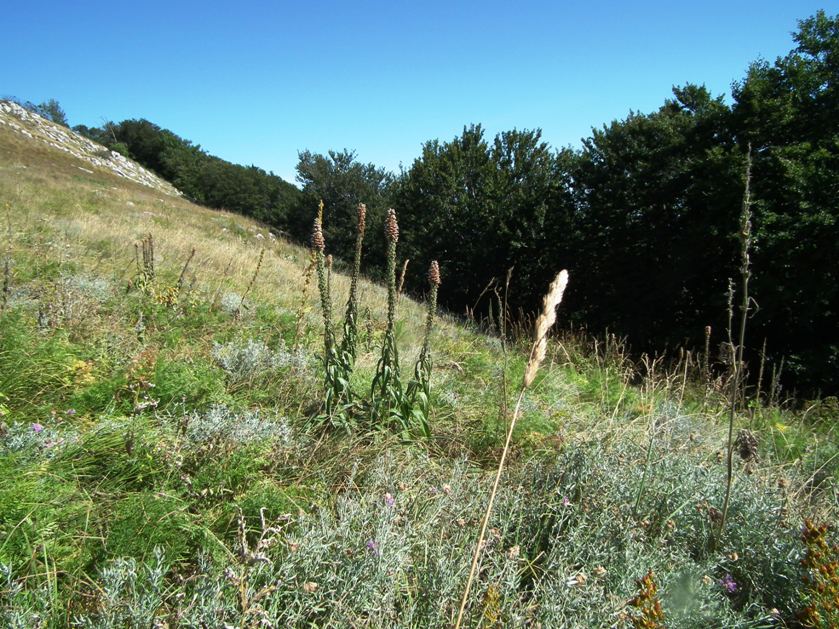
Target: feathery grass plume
{"x": 538, "y": 351}
{"x": 418, "y": 392}
{"x": 745, "y": 236}
{"x": 349, "y": 340}
{"x": 386, "y": 390}
{"x": 543, "y": 325}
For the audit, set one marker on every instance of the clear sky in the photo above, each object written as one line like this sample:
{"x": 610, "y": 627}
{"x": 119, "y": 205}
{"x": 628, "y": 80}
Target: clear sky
{"x": 255, "y": 82}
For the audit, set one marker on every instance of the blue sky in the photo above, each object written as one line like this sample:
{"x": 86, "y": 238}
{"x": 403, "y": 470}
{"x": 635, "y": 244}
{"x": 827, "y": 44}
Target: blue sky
{"x": 256, "y": 82}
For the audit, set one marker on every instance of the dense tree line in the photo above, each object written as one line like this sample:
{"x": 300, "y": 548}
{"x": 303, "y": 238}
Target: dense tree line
{"x": 204, "y": 178}
{"x": 644, "y": 214}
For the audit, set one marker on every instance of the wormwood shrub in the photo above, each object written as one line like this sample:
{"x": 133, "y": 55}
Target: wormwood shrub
{"x": 405, "y": 410}
{"x": 244, "y": 363}
{"x": 563, "y": 548}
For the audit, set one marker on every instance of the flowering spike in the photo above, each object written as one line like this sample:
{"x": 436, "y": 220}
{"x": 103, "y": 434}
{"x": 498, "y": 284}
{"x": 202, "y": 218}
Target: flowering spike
{"x": 391, "y": 226}
{"x": 434, "y": 273}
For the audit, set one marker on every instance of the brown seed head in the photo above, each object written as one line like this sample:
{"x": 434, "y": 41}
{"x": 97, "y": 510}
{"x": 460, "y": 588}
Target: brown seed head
{"x": 391, "y": 226}
{"x": 434, "y": 273}
{"x": 317, "y": 236}
{"x": 329, "y": 261}
{"x": 543, "y": 324}
{"x": 362, "y": 216}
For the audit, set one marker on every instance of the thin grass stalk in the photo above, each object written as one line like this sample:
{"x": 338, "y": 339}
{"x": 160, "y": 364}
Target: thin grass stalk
{"x": 252, "y": 282}
{"x": 706, "y": 356}
{"x": 745, "y": 236}
{"x": 402, "y": 275}
{"x": 304, "y": 299}
{"x": 537, "y": 355}
{"x": 181, "y": 277}
{"x": 7, "y": 283}
{"x": 775, "y": 388}
{"x": 759, "y": 389}
{"x": 217, "y": 293}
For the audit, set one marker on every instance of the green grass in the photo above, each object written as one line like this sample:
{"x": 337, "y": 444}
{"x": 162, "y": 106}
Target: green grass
{"x": 136, "y": 434}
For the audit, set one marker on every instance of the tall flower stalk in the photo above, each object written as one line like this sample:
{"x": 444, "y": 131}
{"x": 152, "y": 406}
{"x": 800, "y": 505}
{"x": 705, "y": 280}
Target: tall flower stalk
{"x": 347, "y": 352}
{"x": 418, "y": 393}
{"x": 387, "y": 390}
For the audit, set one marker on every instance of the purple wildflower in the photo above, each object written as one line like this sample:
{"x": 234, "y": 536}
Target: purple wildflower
{"x": 728, "y": 584}
{"x": 565, "y": 501}
{"x": 389, "y": 500}
{"x": 36, "y": 427}
{"x": 373, "y": 547}
{"x": 70, "y": 411}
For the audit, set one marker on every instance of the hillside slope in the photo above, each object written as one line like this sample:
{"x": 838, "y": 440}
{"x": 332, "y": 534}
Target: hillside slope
{"x": 159, "y": 465}
{"x": 37, "y": 130}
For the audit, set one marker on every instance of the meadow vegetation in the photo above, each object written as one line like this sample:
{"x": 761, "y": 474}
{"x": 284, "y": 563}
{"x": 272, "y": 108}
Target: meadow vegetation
{"x": 171, "y": 455}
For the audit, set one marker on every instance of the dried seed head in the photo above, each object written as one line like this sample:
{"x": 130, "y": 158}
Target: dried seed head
{"x": 707, "y": 330}
{"x": 543, "y": 324}
{"x": 329, "y": 261}
{"x": 362, "y": 217}
{"x": 434, "y": 273}
{"x": 746, "y": 444}
{"x": 391, "y": 226}
{"x": 317, "y": 236}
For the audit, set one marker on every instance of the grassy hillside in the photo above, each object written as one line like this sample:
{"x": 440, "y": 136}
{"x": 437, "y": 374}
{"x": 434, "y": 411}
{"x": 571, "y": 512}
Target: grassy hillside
{"x": 160, "y": 465}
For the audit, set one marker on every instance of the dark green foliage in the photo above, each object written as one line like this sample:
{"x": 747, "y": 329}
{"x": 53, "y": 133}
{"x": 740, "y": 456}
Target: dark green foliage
{"x": 789, "y": 111}
{"x": 204, "y": 178}
{"x": 645, "y": 214}
{"x": 341, "y": 182}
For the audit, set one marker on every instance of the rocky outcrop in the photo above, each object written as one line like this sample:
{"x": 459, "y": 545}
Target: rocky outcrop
{"x": 33, "y": 126}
